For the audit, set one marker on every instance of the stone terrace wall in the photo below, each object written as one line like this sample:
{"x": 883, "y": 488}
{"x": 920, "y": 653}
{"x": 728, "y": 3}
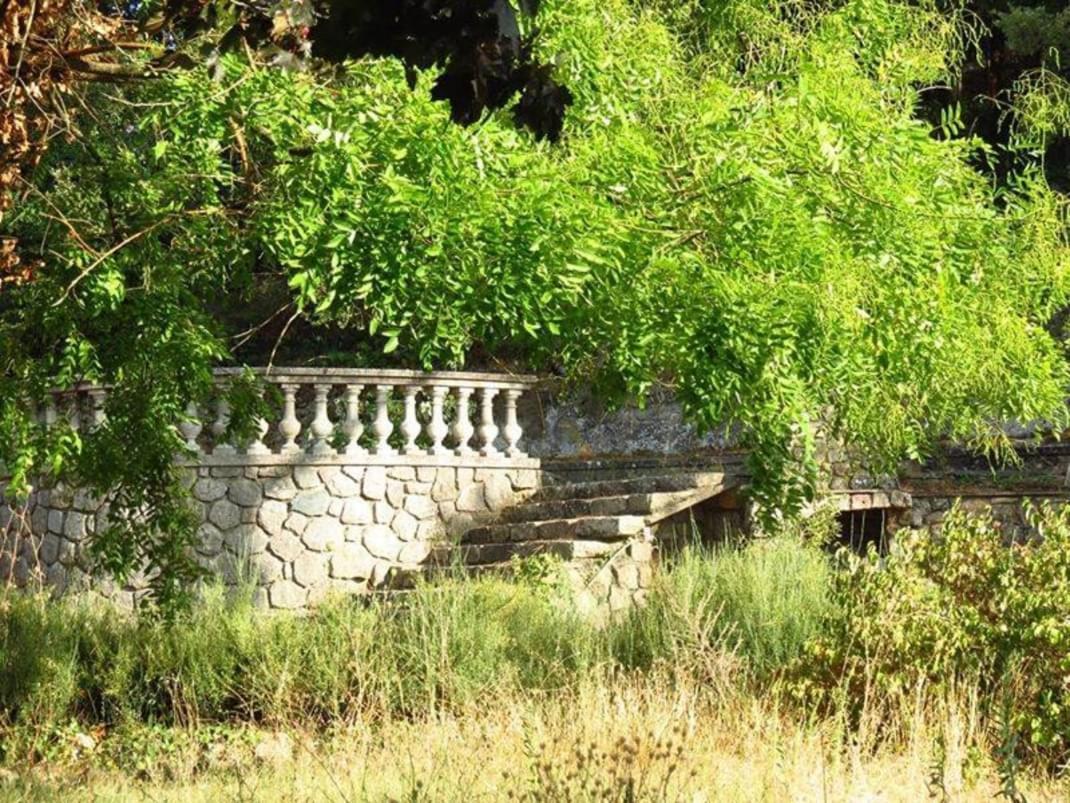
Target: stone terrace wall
{"x": 300, "y": 517}
{"x": 294, "y": 533}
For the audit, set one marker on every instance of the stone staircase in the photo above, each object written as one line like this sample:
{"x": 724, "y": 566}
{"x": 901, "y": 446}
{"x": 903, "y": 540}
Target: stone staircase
{"x": 577, "y": 521}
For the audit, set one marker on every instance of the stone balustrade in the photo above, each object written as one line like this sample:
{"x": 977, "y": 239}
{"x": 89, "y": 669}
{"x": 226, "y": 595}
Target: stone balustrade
{"x": 345, "y": 486}
{"x": 345, "y": 416}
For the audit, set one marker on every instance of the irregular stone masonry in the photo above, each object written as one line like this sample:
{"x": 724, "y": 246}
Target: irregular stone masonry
{"x": 294, "y": 533}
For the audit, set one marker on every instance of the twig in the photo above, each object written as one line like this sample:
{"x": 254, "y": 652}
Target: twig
{"x": 22, "y": 52}
{"x": 246, "y": 336}
{"x": 278, "y": 341}
{"x": 135, "y": 236}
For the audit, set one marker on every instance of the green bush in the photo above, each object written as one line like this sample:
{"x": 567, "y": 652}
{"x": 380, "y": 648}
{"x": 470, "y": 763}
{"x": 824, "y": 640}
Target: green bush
{"x": 961, "y": 609}
{"x": 762, "y": 601}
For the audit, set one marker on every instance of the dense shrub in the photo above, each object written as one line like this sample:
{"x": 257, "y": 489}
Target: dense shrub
{"x": 963, "y": 608}
{"x": 761, "y": 602}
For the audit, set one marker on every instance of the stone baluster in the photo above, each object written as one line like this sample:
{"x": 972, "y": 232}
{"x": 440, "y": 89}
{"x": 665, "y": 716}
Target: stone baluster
{"x": 382, "y": 427}
{"x": 410, "y": 424}
{"x": 353, "y": 428}
{"x": 321, "y": 428}
{"x": 289, "y": 425}
{"x": 512, "y": 430}
{"x": 97, "y": 417}
{"x": 50, "y": 415}
{"x": 488, "y": 430}
{"x": 219, "y": 427}
{"x": 257, "y": 445}
{"x": 74, "y": 412}
{"x": 436, "y": 427}
{"x": 191, "y": 426}
{"x": 462, "y": 424}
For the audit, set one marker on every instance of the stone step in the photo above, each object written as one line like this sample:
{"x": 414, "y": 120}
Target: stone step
{"x": 585, "y": 527}
{"x": 639, "y": 485}
{"x": 638, "y": 504}
{"x": 501, "y": 554}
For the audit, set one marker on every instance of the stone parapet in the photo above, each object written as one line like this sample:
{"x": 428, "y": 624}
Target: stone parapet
{"x": 331, "y": 495}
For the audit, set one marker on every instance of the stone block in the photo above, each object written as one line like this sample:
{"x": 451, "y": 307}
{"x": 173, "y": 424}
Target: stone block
{"x": 381, "y": 541}
{"x": 282, "y": 488}
{"x": 209, "y": 539}
{"x": 248, "y": 515}
{"x": 421, "y": 507}
{"x": 626, "y": 574}
{"x": 641, "y": 551}
{"x": 56, "y": 578}
{"x": 311, "y": 502}
{"x": 311, "y": 569}
{"x": 342, "y": 486}
{"x": 306, "y": 477}
{"x": 327, "y": 472}
{"x": 246, "y": 539}
{"x": 226, "y": 472}
{"x": 403, "y": 473}
{"x": 444, "y": 487}
{"x": 286, "y": 594}
{"x": 356, "y": 511}
{"x": 470, "y": 499}
{"x": 224, "y": 514}
{"x": 352, "y": 561}
{"x": 429, "y": 530}
{"x": 323, "y": 535}
{"x": 355, "y": 473}
{"x": 273, "y": 471}
{"x": 272, "y": 516}
{"x": 418, "y": 488}
{"x": 286, "y": 545}
{"x": 395, "y": 493}
{"x": 383, "y": 512}
{"x": 415, "y": 552}
{"x": 49, "y": 550}
{"x": 497, "y": 490}
{"x": 426, "y": 473}
{"x": 74, "y": 527}
{"x": 374, "y": 486}
{"x": 335, "y": 508}
{"x": 646, "y": 575}
{"x": 55, "y": 521}
{"x": 525, "y": 479}
{"x": 404, "y": 525}
{"x": 87, "y": 503}
{"x": 582, "y": 549}
{"x": 68, "y": 553}
{"x": 296, "y": 523}
{"x": 39, "y": 518}
{"x": 245, "y": 492}
{"x": 266, "y": 568}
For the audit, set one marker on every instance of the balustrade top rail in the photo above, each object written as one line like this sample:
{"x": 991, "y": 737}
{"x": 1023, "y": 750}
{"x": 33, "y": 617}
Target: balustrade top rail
{"x": 419, "y": 417}
{"x": 388, "y": 376}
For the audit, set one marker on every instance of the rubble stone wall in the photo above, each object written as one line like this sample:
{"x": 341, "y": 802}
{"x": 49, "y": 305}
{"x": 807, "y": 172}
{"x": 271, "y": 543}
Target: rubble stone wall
{"x": 295, "y": 533}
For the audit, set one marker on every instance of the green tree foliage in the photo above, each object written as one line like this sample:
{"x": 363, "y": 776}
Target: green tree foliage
{"x": 745, "y": 207}
{"x": 967, "y": 608}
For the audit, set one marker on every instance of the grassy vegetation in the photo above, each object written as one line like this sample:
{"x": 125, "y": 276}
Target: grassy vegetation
{"x": 487, "y": 688}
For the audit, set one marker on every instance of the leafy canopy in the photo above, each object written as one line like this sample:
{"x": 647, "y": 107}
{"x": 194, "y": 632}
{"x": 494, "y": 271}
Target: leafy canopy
{"x": 744, "y": 207}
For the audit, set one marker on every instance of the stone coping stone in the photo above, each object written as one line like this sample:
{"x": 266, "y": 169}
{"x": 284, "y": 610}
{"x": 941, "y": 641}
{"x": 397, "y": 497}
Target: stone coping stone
{"x": 387, "y": 376}
{"x": 303, "y": 458}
